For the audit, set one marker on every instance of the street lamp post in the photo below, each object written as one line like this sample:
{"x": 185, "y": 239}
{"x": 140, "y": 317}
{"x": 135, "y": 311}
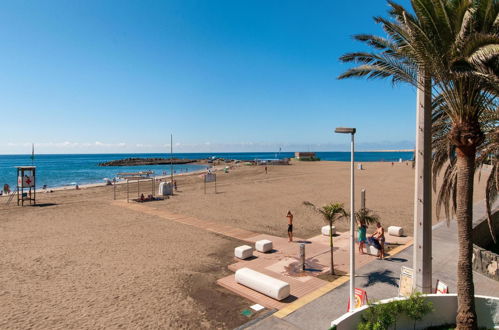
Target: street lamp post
{"x": 347, "y": 130}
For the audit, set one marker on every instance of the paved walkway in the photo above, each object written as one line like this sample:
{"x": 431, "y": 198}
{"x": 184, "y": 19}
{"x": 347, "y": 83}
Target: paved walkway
{"x": 380, "y": 279}
{"x": 241, "y": 234}
{"x": 283, "y": 263}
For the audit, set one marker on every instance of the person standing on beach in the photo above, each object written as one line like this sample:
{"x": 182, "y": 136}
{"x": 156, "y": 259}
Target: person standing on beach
{"x": 379, "y": 235}
{"x": 290, "y": 225}
{"x": 361, "y": 236}
{"x": 265, "y": 169}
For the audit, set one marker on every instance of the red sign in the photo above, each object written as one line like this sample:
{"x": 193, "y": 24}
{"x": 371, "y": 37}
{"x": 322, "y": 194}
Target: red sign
{"x": 360, "y": 299}
{"x": 441, "y": 288}
{"x": 25, "y": 181}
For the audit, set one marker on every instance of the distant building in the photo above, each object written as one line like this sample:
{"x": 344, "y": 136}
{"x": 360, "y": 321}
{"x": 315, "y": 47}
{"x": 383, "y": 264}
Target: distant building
{"x": 305, "y": 155}
{"x": 284, "y": 161}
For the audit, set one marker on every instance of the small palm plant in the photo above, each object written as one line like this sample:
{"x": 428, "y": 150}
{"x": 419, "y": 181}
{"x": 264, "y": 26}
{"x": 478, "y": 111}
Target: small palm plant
{"x": 366, "y": 217}
{"x": 330, "y": 213}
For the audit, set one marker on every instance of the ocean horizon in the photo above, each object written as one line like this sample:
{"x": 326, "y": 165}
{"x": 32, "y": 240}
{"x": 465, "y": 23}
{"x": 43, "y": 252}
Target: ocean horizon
{"x": 56, "y": 170}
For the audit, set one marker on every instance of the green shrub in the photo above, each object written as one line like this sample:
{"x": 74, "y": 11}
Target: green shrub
{"x": 416, "y": 307}
{"x": 382, "y": 316}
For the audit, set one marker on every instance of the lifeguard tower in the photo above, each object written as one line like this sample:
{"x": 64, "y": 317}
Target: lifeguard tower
{"x": 26, "y": 179}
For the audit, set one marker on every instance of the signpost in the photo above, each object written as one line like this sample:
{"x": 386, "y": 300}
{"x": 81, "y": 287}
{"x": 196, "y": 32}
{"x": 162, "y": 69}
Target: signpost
{"x": 360, "y": 299}
{"x": 406, "y": 286}
{"x": 441, "y": 288}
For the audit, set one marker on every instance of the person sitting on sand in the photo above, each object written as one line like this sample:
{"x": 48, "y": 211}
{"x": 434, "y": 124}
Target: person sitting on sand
{"x": 290, "y": 225}
{"x": 361, "y": 236}
{"x": 379, "y": 235}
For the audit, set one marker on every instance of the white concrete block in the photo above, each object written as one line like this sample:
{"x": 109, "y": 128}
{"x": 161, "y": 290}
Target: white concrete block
{"x": 395, "y": 231}
{"x": 262, "y": 283}
{"x": 263, "y": 245}
{"x": 371, "y": 249}
{"x": 243, "y": 252}
{"x": 325, "y": 230}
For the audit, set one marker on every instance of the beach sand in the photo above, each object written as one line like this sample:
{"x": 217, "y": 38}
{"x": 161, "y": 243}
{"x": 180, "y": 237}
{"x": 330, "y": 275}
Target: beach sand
{"x": 81, "y": 261}
{"x": 250, "y": 199}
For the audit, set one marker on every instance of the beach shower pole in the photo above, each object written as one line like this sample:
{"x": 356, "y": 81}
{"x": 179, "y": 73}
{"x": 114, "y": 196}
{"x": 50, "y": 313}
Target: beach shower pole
{"x": 362, "y": 199}
{"x": 345, "y": 130}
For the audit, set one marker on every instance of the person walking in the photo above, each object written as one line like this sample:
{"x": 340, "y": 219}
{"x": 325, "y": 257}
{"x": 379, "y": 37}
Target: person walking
{"x": 290, "y": 225}
{"x": 266, "y": 169}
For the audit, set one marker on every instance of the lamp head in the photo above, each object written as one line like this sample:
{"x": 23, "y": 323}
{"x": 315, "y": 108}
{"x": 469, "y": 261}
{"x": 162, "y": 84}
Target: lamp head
{"x": 345, "y": 130}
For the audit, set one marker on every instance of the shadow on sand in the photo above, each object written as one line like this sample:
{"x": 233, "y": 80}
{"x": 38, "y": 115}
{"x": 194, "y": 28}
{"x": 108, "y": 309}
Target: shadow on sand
{"x": 44, "y": 204}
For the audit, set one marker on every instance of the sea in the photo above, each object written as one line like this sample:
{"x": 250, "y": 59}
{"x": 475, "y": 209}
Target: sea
{"x": 56, "y": 170}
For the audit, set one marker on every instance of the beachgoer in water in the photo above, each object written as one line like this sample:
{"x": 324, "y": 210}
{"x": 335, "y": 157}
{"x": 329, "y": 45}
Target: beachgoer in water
{"x": 379, "y": 234}
{"x": 361, "y": 236}
{"x": 290, "y": 225}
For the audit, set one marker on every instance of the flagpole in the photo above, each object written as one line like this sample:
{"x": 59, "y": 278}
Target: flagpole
{"x": 171, "y": 157}
{"x": 32, "y": 154}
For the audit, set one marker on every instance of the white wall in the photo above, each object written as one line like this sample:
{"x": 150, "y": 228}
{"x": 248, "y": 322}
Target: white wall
{"x": 487, "y": 309}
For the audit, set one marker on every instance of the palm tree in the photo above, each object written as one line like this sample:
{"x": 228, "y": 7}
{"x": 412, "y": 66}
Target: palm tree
{"x": 330, "y": 213}
{"x": 366, "y": 216}
{"x": 482, "y": 62}
{"x": 436, "y": 40}
{"x": 444, "y": 160}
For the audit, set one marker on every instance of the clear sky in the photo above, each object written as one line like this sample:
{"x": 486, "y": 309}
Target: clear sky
{"x": 221, "y": 75}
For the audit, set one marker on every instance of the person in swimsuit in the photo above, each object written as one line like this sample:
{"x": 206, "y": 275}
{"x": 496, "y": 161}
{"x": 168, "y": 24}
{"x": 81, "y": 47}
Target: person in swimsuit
{"x": 290, "y": 225}
{"x": 379, "y": 234}
{"x": 361, "y": 236}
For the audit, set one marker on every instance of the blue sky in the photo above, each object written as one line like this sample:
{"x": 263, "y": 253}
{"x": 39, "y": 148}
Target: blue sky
{"x": 221, "y": 75}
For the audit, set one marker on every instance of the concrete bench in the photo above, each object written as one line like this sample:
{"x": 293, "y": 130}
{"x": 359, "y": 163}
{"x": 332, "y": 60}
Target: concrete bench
{"x": 243, "y": 252}
{"x": 395, "y": 231}
{"x": 262, "y": 283}
{"x": 325, "y": 230}
{"x": 372, "y": 250}
{"x": 263, "y": 245}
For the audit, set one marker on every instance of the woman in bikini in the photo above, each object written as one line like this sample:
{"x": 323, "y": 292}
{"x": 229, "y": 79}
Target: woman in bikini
{"x": 379, "y": 234}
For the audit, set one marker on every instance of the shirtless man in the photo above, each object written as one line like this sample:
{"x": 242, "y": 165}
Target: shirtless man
{"x": 379, "y": 234}
{"x": 290, "y": 225}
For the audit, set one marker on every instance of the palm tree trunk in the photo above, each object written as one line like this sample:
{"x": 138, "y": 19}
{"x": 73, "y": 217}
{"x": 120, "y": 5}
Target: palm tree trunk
{"x": 466, "y": 316}
{"x": 331, "y": 245}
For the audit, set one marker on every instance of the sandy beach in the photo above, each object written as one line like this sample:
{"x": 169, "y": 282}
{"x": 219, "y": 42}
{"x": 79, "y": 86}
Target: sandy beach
{"x": 80, "y": 261}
